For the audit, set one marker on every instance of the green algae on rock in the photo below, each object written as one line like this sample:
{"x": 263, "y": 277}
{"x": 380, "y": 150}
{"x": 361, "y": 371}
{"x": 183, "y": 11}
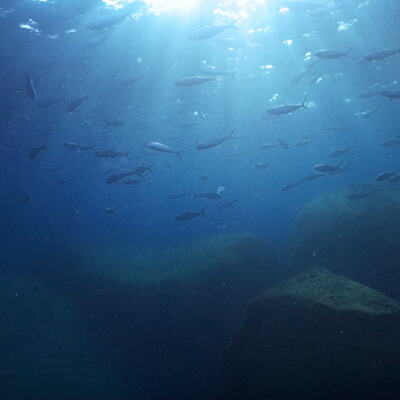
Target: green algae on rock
{"x": 318, "y": 336}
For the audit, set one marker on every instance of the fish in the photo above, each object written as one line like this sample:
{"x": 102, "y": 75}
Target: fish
{"x": 75, "y": 103}
{"x": 267, "y": 146}
{"x": 390, "y": 142}
{"x": 359, "y": 195}
{"x": 262, "y": 165}
{"x": 208, "y": 195}
{"x": 162, "y": 148}
{"x": 380, "y": 55}
{"x": 131, "y": 81}
{"x": 114, "y": 178}
{"x": 141, "y": 169}
{"x": 329, "y": 169}
{"x": 303, "y": 142}
{"x": 30, "y": 87}
{"x": 189, "y": 215}
{"x": 297, "y": 78}
{"x": 366, "y": 95}
{"x": 286, "y": 108}
{"x": 35, "y": 151}
{"x": 50, "y": 102}
{"x": 366, "y": 114}
{"x": 111, "y": 153}
{"x": 115, "y": 122}
{"x": 25, "y": 199}
{"x": 334, "y": 129}
{"x": 327, "y": 54}
{"x": 283, "y": 144}
{"x": 110, "y": 210}
{"x": 189, "y": 124}
{"x": 77, "y": 147}
{"x": 290, "y": 186}
{"x": 193, "y": 80}
{"x": 391, "y": 94}
{"x": 179, "y": 195}
{"x": 228, "y": 204}
{"x": 207, "y": 32}
{"x": 116, "y": 18}
{"x": 339, "y": 152}
{"x": 312, "y": 177}
{"x": 215, "y": 141}
{"x": 384, "y": 176}
{"x": 213, "y": 71}
{"x": 394, "y": 178}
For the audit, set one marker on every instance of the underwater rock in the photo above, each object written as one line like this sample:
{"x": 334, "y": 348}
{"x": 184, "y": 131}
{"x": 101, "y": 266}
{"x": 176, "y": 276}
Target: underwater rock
{"x": 162, "y": 318}
{"x": 318, "y": 336}
{"x": 46, "y": 351}
{"x": 352, "y": 231}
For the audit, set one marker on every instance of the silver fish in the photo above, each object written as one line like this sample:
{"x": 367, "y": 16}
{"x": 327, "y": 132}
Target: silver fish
{"x": 193, "y": 80}
{"x": 366, "y": 114}
{"x": 228, "y": 204}
{"x": 34, "y": 152}
{"x": 327, "y": 54}
{"x": 114, "y": 178}
{"x": 208, "y": 32}
{"x": 339, "y": 152}
{"x": 213, "y": 71}
{"x": 384, "y": 176}
{"x": 286, "y": 108}
{"x": 312, "y": 177}
{"x": 180, "y": 195}
{"x": 76, "y": 103}
{"x": 329, "y": 169}
{"x": 391, "y": 94}
{"x": 162, "y": 148}
{"x": 391, "y": 142}
{"x": 262, "y": 165}
{"x": 380, "y": 55}
{"x": 111, "y": 153}
{"x": 30, "y": 87}
{"x": 215, "y": 141}
{"x": 117, "y": 17}
{"x": 208, "y": 195}
{"x": 77, "y": 146}
{"x": 290, "y": 186}
{"x": 189, "y": 215}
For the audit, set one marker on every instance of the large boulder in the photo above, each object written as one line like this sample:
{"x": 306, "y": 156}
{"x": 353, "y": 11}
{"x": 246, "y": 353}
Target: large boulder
{"x": 319, "y": 336}
{"x": 159, "y": 319}
{"x": 354, "y": 231}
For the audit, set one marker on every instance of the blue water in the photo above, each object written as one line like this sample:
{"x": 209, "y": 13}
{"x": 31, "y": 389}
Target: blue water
{"x": 273, "y": 41}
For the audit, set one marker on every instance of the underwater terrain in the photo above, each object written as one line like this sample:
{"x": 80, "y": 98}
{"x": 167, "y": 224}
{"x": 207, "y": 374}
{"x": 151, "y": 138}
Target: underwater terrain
{"x": 199, "y": 198}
